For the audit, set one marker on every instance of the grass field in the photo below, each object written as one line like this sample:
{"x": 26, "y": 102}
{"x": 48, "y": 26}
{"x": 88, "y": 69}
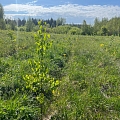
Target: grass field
{"x": 87, "y": 68}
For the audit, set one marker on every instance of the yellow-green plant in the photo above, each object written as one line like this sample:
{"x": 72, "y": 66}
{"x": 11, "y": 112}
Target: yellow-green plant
{"x": 11, "y": 35}
{"x": 39, "y": 82}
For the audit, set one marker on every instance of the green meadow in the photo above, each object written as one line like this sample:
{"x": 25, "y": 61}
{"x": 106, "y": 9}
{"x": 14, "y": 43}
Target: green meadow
{"x": 80, "y": 77}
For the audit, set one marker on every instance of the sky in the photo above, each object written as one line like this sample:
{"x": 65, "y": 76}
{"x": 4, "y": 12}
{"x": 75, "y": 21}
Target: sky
{"x": 74, "y": 11}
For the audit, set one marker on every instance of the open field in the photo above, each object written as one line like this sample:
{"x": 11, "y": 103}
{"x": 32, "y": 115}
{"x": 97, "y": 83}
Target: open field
{"x": 87, "y": 69}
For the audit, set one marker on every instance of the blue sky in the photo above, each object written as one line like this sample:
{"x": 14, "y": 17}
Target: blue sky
{"x": 74, "y": 11}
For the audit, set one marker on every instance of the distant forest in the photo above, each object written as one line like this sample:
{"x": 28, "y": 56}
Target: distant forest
{"x": 102, "y": 27}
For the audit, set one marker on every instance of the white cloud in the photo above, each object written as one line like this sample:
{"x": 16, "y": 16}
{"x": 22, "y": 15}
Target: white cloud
{"x": 32, "y": 3}
{"x": 67, "y": 10}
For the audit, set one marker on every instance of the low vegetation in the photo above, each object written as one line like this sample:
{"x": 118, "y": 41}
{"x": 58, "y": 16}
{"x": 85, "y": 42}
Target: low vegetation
{"x": 64, "y": 75}
{"x": 85, "y": 70}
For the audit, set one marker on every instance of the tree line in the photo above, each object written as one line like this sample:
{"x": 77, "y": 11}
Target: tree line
{"x": 100, "y": 27}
